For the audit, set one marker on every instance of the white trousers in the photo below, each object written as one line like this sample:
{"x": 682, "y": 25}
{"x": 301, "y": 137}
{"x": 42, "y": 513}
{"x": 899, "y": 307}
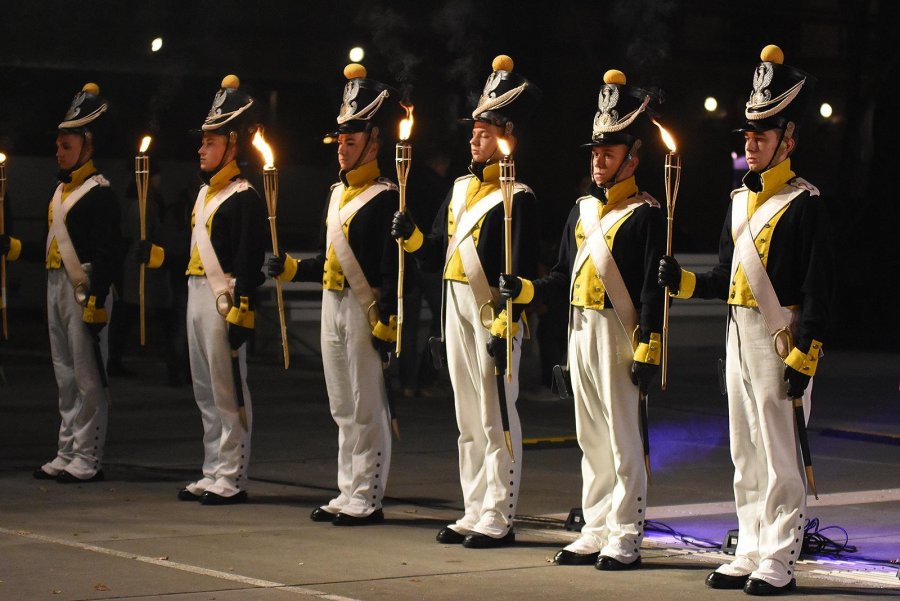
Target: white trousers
{"x": 83, "y": 407}
{"x": 769, "y": 481}
{"x": 489, "y": 477}
{"x": 226, "y": 445}
{"x": 355, "y": 383}
{"x": 607, "y": 422}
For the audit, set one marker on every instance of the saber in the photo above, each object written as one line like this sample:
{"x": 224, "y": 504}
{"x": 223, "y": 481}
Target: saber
{"x": 800, "y": 419}
{"x": 270, "y": 184}
{"x": 3, "y": 257}
{"x": 673, "y": 179}
{"x": 403, "y": 160}
{"x": 504, "y": 411}
{"x": 101, "y": 369}
{"x": 389, "y": 395}
{"x": 238, "y": 387}
{"x": 142, "y": 180}
{"x": 645, "y": 431}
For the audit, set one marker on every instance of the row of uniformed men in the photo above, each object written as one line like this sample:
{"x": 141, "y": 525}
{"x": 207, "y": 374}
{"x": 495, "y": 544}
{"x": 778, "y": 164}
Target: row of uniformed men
{"x": 610, "y": 272}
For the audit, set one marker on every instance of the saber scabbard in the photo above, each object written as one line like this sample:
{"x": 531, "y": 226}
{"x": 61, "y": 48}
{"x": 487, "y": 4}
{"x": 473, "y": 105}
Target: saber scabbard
{"x": 800, "y": 419}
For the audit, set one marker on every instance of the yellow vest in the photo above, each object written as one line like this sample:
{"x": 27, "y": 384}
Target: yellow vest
{"x": 358, "y": 181}
{"x": 588, "y": 290}
{"x": 774, "y": 180}
{"x": 216, "y": 184}
{"x": 54, "y": 259}
{"x": 476, "y": 190}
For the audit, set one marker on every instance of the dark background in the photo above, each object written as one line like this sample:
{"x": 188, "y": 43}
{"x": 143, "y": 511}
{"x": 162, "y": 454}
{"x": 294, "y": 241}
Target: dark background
{"x": 290, "y": 56}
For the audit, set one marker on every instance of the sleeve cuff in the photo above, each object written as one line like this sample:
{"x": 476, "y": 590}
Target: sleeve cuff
{"x": 386, "y": 331}
{"x": 290, "y": 269}
{"x": 805, "y": 363}
{"x": 414, "y": 242}
{"x": 91, "y": 314}
{"x": 649, "y": 352}
{"x": 688, "y": 283}
{"x": 157, "y": 256}
{"x": 241, "y": 315}
{"x": 498, "y": 326}
{"x": 526, "y": 295}
{"x": 15, "y": 249}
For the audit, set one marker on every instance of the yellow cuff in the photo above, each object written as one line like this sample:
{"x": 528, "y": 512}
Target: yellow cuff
{"x": 15, "y": 249}
{"x": 805, "y": 363}
{"x": 414, "y": 242}
{"x": 290, "y": 269}
{"x": 157, "y": 256}
{"x": 498, "y": 327}
{"x": 526, "y": 295}
{"x": 386, "y": 331}
{"x": 688, "y": 283}
{"x": 91, "y": 314}
{"x": 241, "y": 315}
{"x": 649, "y": 352}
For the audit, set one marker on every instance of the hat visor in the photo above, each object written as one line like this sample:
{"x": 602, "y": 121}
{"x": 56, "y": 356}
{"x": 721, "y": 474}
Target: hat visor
{"x": 761, "y": 125}
{"x": 612, "y": 139}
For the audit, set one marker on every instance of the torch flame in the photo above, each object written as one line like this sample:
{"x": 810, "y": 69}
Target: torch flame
{"x": 265, "y": 150}
{"x": 2, "y": 158}
{"x": 145, "y": 144}
{"x": 504, "y": 146}
{"x": 667, "y": 138}
{"x": 406, "y": 124}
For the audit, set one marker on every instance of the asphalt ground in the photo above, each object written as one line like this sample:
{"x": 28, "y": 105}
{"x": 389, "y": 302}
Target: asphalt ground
{"x": 129, "y": 538}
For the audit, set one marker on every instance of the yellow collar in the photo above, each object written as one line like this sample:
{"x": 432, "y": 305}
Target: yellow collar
{"x": 224, "y": 175}
{"x": 361, "y": 175}
{"x": 621, "y": 191}
{"x": 491, "y": 173}
{"x": 81, "y": 174}
{"x": 775, "y": 178}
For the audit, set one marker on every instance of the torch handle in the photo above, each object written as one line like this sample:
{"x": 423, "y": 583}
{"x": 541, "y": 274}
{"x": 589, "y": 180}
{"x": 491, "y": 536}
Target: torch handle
{"x": 141, "y": 180}
{"x": 665, "y": 327}
{"x": 401, "y": 269}
{"x": 270, "y": 185}
{"x": 3, "y": 258}
{"x": 507, "y": 222}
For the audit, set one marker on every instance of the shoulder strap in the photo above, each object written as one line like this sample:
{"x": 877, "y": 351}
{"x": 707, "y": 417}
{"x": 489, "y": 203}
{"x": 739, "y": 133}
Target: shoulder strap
{"x": 58, "y": 229}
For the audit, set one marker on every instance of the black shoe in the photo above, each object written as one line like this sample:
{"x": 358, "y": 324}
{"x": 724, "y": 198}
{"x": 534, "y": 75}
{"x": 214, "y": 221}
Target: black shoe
{"x": 477, "y": 540}
{"x": 321, "y": 515}
{"x": 761, "y": 588}
{"x": 608, "y": 564}
{"x": 67, "y": 478}
{"x": 570, "y": 558}
{"x": 211, "y": 498}
{"x": 724, "y": 581}
{"x": 40, "y": 474}
{"x": 186, "y": 495}
{"x": 345, "y": 519}
{"x": 449, "y": 536}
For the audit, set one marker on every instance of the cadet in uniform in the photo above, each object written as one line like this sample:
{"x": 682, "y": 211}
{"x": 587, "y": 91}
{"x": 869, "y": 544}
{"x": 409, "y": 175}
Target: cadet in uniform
{"x": 775, "y": 271}
{"x": 80, "y": 256}
{"x": 467, "y": 243}
{"x": 606, "y": 271}
{"x": 228, "y": 245}
{"x": 357, "y": 265}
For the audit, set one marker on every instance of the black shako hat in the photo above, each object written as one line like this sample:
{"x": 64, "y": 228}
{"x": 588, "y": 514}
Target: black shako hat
{"x": 508, "y": 99}
{"x": 86, "y": 108}
{"x": 230, "y": 110}
{"x": 619, "y": 107}
{"x": 780, "y": 95}
{"x": 367, "y": 104}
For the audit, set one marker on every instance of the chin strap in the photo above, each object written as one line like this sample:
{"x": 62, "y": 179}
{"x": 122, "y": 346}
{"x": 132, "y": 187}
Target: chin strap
{"x": 603, "y": 187}
{"x": 753, "y": 179}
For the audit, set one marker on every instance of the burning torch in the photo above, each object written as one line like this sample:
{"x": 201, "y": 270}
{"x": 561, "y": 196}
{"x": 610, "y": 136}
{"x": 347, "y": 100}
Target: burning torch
{"x": 673, "y": 178}
{"x": 142, "y": 180}
{"x": 270, "y": 185}
{"x": 507, "y": 183}
{"x": 403, "y": 159}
